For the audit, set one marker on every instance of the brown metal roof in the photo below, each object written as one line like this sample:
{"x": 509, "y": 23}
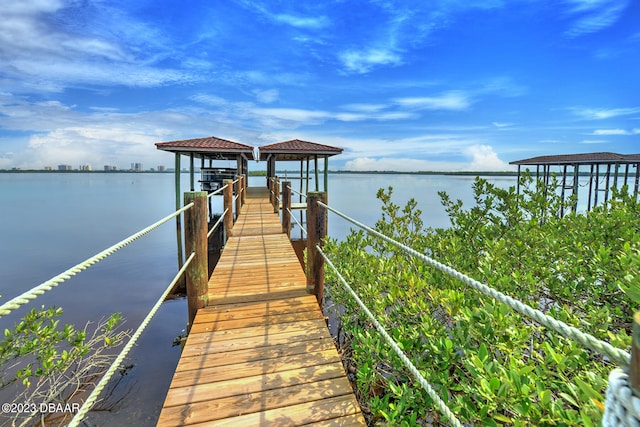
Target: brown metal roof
{"x": 296, "y": 149}
{"x": 586, "y": 158}
{"x": 207, "y": 147}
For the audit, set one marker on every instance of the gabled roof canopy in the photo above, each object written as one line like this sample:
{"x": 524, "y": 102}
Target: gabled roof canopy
{"x": 296, "y": 149}
{"x": 210, "y": 148}
{"x": 586, "y": 158}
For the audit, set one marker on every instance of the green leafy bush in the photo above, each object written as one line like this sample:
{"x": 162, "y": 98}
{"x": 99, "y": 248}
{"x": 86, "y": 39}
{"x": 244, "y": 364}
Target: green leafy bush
{"x": 490, "y": 364}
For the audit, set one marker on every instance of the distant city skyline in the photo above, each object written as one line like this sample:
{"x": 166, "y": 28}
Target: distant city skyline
{"x": 408, "y": 86}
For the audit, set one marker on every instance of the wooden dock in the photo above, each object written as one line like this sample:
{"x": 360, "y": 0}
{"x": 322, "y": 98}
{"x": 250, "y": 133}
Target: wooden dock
{"x": 260, "y": 354}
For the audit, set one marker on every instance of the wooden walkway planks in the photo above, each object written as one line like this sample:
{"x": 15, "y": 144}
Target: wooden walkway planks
{"x": 260, "y": 353}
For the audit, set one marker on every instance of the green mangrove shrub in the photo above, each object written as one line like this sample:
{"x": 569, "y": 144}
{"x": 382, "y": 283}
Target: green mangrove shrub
{"x": 491, "y": 365}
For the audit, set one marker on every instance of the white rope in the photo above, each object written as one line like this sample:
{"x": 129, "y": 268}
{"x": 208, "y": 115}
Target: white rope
{"x": 217, "y": 191}
{"x": 444, "y": 409}
{"x": 621, "y": 407}
{"x": 618, "y": 355}
{"x": 93, "y": 397}
{"x": 298, "y": 193}
{"x": 218, "y": 222}
{"x": 293, "y": 217}
{"x": 35, "y": 292}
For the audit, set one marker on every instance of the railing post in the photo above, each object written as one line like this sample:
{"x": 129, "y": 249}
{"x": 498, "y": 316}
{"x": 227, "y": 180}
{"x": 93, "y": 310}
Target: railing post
{"x": 195, "y": 224}
{"x": 244, "y": 189}
{"x": 238, "y": 196}
{"x": 276, "y": 195}
{"x": 634, "y": 367}
{"x": 227, "y": 196}
{"x": 286, "y": 206}
{"x": 316, "y": 232}
{"x": 270, "y": 186}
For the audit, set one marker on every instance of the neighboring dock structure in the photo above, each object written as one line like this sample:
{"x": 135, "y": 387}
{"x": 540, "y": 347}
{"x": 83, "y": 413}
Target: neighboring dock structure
{"x": 603, "y": 166}
{"x": 259, "y": 352}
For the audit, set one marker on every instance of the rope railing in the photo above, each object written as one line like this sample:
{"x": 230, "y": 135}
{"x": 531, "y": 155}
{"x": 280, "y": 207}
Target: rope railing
{"x": 93, "y": 397}
{"x": 217, "y": 224}
{"x": 298, "y": 193}
{"x": 293, "y": 217}
{"x": 44, "y": 287}
{"x": 589, "y": 341}
{"x": 441, "y": 405}
{"x": 219, "y": 190}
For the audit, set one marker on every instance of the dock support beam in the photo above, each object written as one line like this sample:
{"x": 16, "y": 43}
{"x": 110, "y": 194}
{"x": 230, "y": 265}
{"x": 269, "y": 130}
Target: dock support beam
{"x": 195, "y": 224}
{"x": 286, "y": 206}
{"x": 276, "y": 195}
{"x": 316, "y": 232}
{"x": 227, "y": 196}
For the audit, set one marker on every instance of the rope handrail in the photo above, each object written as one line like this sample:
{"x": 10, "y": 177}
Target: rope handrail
{"x": 589, "y": 341}
{"x": 298, "y": 193}
{"x": 293, "y": 217}
{"x": 444, "y": 409}
{"x": 217, "y": 224}
{"x": 36, "y": 291}
{"x": 217, "y": 191}
{"x": 93, "y": 397}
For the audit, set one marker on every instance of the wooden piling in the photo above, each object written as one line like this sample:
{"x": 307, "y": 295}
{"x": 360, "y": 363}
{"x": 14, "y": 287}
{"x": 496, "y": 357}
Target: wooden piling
{"x": 276, "y": 195}
{"x": 238, "y": 187}
{"x": 316, "y": 232}
{"x": 634, "y": 367}
{"x": 195, "y": 225}
{"x": 243, "y": 180}
{"x": 227, "y": 196}
{"x": 286, "y": 206}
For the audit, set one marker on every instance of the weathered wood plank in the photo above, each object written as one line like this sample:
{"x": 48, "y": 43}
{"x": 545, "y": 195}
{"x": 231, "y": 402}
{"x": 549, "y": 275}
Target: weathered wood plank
{"x": 260, "y": 353}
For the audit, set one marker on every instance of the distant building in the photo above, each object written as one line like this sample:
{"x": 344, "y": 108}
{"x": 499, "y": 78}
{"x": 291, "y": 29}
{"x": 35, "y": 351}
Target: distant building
{"x": 48, "y": 168}
{"x": 162, "y": 168}
{"x": 110, "y": 168}
{"x": 136, "y": 167}
{"x": 85, "y": 168}
{"x": 64, "y": 167}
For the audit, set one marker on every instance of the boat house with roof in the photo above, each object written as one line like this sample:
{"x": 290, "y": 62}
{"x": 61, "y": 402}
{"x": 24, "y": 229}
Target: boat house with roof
{"x": 605, "y": 171}
{"x": 296, "y": 150}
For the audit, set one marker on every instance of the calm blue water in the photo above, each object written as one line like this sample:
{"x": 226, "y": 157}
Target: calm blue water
{"x": 51, "y": 221}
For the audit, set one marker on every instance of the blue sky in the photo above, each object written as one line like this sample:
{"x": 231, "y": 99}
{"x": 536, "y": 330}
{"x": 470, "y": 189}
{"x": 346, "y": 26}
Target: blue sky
{"x": 400, "y": 85}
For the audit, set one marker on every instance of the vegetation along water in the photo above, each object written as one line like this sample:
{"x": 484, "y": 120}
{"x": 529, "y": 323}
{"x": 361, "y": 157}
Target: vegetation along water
{"x": 488, "y": 363}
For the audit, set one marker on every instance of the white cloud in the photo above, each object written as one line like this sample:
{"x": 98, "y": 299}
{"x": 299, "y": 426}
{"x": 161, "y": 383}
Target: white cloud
{"x": 40, "y": 47}
{"x": 610, "y": 132}
{"x": 594, "y": 15}
{"x": 302, "y": 21}
{"x": 485, "y": 159}
{"x": 594, "y": 141}
{"x": 479, "y": 158}
{"x": 267, "y": 96}
{"x": 362, "y": 164}
{"x": 452, "y": 100}
{"x": 604, "y": 113}
{"x": 501, "y": 125}
{"x": 363, "y": 61}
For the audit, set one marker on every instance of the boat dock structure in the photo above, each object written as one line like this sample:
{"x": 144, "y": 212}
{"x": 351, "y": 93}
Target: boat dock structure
{"x": 258, "y": 350}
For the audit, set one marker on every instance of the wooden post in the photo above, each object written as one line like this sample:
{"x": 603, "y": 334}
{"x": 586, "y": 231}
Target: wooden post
{"x": 195, "y": 231}
{"x": 576, "y": 184}
{"x": 178, "y": 219}
{"x": 238, "y": 196}
{"x": 316, "y": 232}
{"x": 244, "y": 189}
{"x": 276, "y": 195}
{"x": 191, "y": 172}
{"x": 227, "y": 196}
{"x": 634, "y": 367}
{"x": 286, "y": 206}
{"x": 270, "y": 186}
